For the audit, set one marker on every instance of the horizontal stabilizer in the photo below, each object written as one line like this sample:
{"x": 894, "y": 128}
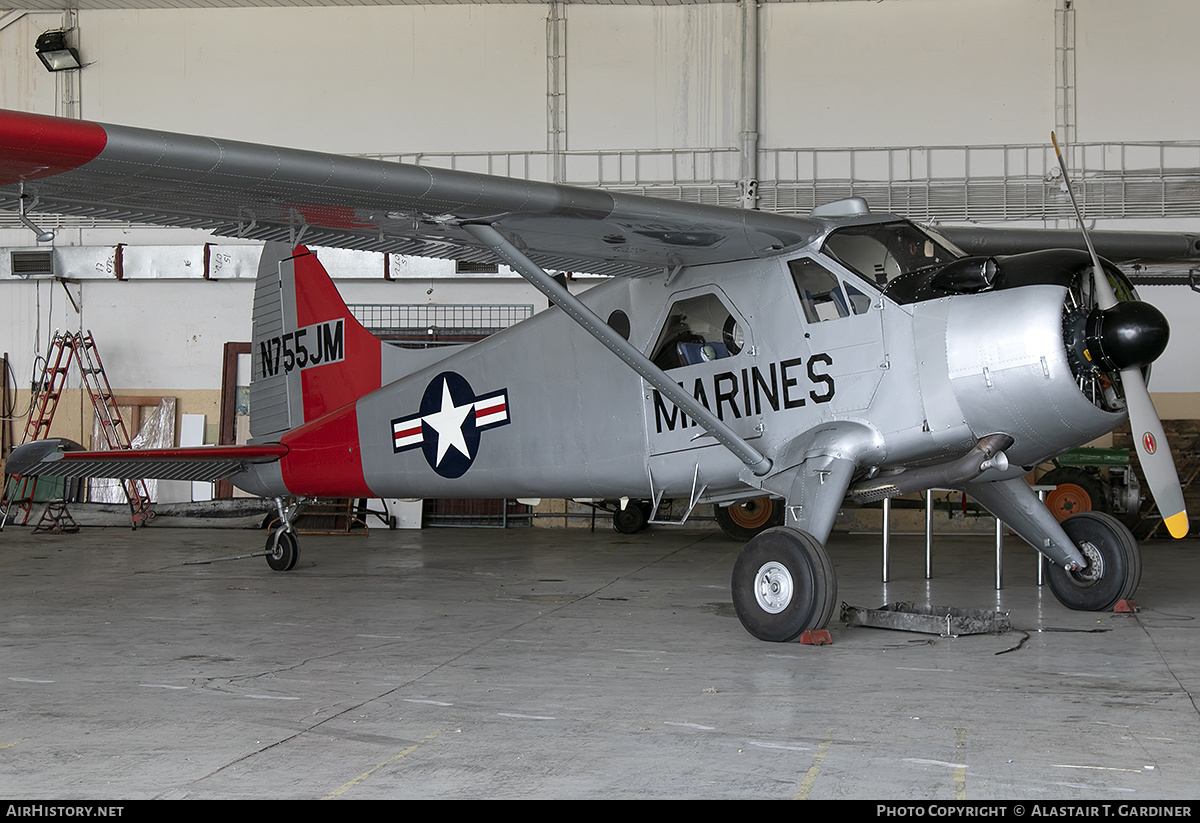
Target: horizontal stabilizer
{"x": 56, "y": 458}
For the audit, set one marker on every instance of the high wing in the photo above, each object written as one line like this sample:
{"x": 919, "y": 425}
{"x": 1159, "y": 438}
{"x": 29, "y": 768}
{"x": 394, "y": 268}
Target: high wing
{"x": 1118, "y": 246}
{"x": 259, "y": 192}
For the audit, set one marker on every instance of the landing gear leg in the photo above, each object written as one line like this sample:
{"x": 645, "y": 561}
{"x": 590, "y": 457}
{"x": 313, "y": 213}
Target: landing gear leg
{"x": 283, "y": 547}
{"x": 783, "y": 585}
{"x": 1094, "y": 559}
{"x": 783, "y": 581}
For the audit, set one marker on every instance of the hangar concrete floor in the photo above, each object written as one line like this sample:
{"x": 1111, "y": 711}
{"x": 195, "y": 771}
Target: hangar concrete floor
{"x": 455, "y": 663}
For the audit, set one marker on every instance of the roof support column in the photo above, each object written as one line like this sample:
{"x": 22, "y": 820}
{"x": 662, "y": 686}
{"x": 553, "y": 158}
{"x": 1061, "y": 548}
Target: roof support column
{"x": 748, "y": 184}
{"x": 556, "y": 88}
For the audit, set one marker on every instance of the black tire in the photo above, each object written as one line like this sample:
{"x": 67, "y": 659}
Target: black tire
{"x": 744, "y": 521}
{"x": 783, "y": 585}
{"x": 282, "y": 555}
{"x": 631, "y": 519}
{"x": 1078, "y": 491}
{"x": 1115, "y": 564}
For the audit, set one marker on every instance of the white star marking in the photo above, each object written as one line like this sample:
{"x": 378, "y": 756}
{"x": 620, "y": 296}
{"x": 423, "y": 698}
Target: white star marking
{"x": 448, "y": 423}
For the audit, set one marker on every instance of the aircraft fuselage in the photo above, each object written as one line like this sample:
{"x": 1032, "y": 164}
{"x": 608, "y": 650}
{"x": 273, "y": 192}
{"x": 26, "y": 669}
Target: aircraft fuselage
{"x": 797, "y": 354}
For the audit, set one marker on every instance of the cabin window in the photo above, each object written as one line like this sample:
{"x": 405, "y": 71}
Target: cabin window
{"x": 698, "y": 329}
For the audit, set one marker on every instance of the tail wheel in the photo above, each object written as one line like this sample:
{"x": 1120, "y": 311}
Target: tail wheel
{"x": 743, "y": 521}
{"x": 783, "y": 585}
{"x": 1114, "y": 568}
{"x": 1077, "y": 492}
{"x": 283, "y": 550}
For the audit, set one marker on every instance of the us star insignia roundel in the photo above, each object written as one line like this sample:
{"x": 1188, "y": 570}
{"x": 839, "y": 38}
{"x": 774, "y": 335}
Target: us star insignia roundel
{"x": 447, "y": 427}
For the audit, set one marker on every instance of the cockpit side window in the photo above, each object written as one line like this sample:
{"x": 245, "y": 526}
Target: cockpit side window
{"x": 821, "y": 295}
{"x": 859, "y": 302}
{"x": 882, "y": 252}
{"x": 698, "y": 329}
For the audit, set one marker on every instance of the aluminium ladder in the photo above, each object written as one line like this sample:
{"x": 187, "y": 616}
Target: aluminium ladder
{"x": 80, "y": 347}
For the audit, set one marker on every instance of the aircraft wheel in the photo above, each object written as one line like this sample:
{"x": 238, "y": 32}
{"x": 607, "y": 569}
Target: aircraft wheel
{"x": 783, "y": 585}
{"x": 1114, "y": 564}
{"x": 631, "y": 519}
{"x": 282, "y": 555}
{"x": 743, "y": 521}
{"x": 1078, "y": 491}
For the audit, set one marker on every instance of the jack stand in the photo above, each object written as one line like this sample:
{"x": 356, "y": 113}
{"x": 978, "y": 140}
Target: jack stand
{"x": 56, "y": 520}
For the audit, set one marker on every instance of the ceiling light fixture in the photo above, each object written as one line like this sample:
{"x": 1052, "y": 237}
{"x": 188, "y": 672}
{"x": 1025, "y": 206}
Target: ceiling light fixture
{"x": 55, "y": 54}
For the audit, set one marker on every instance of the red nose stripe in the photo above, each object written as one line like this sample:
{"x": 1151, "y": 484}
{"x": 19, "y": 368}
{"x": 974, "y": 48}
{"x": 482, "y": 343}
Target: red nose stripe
{"x": 34, "y": 146}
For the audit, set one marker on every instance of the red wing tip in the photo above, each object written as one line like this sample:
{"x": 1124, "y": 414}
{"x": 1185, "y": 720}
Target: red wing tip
{"x": 33, "y": 146}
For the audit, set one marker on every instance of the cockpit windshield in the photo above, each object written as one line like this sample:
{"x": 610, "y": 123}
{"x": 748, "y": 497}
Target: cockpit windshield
{"x": 883, "y": 252}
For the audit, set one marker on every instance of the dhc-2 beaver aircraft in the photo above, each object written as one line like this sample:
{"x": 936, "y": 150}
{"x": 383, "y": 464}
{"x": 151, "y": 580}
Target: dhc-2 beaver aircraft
{"x": 803, "y": 359}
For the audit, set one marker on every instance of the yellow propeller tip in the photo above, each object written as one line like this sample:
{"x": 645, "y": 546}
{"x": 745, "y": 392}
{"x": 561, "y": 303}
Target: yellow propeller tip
{"x": 1177, "y": 525}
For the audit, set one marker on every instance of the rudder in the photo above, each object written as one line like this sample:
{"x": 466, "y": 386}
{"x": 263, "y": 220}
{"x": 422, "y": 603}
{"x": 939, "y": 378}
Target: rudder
{"x": 310, "y": 355}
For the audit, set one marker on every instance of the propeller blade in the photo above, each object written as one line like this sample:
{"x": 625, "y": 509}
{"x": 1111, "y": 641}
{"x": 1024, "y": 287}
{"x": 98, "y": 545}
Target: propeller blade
{"x": 1105, "y": 297}
{"x": 1154, "y": 454}
{"x": 1150, "y": 441}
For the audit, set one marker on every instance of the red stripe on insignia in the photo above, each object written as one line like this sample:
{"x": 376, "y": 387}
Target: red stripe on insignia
{"x": 34, "y": 145}
{"x": 486, "y": 410}
{"x": 402, "y": 433}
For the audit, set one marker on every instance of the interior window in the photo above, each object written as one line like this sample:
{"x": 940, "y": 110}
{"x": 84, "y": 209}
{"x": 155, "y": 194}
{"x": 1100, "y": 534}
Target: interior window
{"x": 821, "y": 296}
{"x": 698, "y": 329}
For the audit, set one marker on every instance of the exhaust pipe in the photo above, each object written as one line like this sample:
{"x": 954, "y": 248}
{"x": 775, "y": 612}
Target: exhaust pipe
{"x": 988, "y": 453}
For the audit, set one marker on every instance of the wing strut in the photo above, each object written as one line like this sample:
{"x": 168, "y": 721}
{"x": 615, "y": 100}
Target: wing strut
{"x": 619, "y": 346}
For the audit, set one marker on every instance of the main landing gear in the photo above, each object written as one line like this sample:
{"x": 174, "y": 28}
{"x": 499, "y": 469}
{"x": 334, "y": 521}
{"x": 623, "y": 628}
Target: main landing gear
{"x": 783, "y": 585}
{"x": 1114, "y": 567}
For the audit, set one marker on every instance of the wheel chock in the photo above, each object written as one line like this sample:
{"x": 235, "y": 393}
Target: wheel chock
{"x": 1125, "y": 607}
{"x": 816, "y": 637}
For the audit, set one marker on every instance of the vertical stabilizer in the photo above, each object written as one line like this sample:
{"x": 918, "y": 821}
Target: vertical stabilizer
{"x": 310, "y": 355}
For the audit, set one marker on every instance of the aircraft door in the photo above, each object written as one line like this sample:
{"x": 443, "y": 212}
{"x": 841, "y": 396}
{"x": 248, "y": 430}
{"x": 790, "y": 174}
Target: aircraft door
{"x": 842, "y": 321}
{"x": 703, "y": 344}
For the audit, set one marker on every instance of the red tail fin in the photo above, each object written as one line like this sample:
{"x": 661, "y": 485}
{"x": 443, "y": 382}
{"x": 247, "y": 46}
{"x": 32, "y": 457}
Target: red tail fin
{"x": 335, "y": 383}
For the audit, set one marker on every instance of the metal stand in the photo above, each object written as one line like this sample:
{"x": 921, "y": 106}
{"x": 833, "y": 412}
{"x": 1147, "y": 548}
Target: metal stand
{"x": 887, "y": 532}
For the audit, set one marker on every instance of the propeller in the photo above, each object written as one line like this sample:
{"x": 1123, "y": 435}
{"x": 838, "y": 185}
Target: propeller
{"x": 1129, "y": 336}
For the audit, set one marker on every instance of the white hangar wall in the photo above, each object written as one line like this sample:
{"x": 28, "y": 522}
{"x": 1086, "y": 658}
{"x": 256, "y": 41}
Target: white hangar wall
{"x": 466, "y": 78}
{"x": 474, "y": 77}
{"x": 923, "y": 72}
{"x": 350, "y": 80}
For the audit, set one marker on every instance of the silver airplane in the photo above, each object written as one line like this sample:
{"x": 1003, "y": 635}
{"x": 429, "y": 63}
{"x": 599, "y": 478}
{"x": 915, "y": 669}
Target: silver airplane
{"x": 734, "y": 356}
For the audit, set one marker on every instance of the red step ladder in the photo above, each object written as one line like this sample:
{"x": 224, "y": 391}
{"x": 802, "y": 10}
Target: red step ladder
{"x": 80, "y": 347}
